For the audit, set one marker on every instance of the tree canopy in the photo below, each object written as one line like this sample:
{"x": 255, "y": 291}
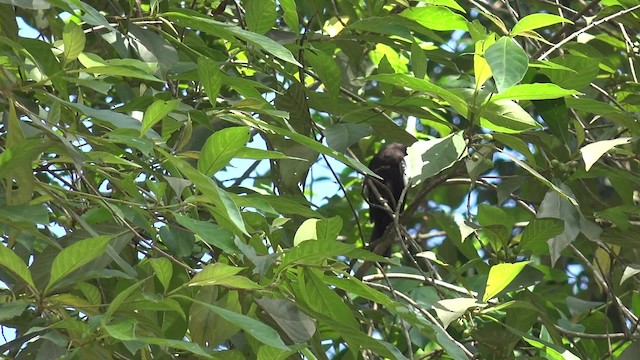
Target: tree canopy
{"x": 183, "y": 179}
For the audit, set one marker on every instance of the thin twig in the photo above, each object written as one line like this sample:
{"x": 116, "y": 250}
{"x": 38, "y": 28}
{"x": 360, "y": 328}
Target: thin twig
{"x": 587, "y": 28}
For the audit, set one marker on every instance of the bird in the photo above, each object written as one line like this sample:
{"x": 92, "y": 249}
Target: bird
{"x": 390, "y": 166}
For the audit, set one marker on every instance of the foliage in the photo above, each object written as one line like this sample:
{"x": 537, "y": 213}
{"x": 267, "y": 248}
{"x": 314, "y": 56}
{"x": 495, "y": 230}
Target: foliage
{"x": 139, "y": 219}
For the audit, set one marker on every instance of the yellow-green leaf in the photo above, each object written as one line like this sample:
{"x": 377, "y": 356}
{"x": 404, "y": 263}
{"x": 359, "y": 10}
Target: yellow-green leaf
{"x": 74, "y": 40}
{"x": 500, "y": 276}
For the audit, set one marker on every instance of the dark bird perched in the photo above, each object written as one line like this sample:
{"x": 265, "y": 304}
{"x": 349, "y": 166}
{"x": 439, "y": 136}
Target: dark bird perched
{"x": 390, "y": 166}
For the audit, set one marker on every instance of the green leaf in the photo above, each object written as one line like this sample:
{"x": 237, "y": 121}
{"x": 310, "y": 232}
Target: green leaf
{"x": 537, "y": 21}
{"x": 152, "y": 47}
{"x": 74, "y": 256}
{"x": 116, "y": 120}
{"x": 318, "y": 229}
{"x": 314, "y": 252}
{"x": 553, "y": 205}
{"x": 259, "y": 154}
{"x": 593, "y": 152}
{"x": 253, "y": 327}
{"x": 119, "y": 299}
{"x": 448, "y": 3}
{"x": 540, "y": 230}
{"x": 290, "y": 16}
{"x": 424, "y": 85}
{"x": 436, "y": 18}
{"x": 29, "y": 214}
{"x": 212, "y": 234}
{"x": 222, "y": 275}
{"x": 206, "y": 326}
{"x": 220, "y": 148}
{"x": 195, "y": 21}
{"x": 127, "y": 72}
{"x": 418, "y": 61}
{"x": 629, "y": 271}
{"x": 567, "y": 196}
{"x": 508, "y": 62}
{"x": 124, "y": 330}
{"x": 225, "y": 208}
{"x": 537, "y": 91}
{"x": 426, "y": 159}
{"x": 589, "y": 69}
{"x": 14, "y": 263}
{"x": 555, "y": 114}
{"x": 298, "y": 326}
{"x": 178, "y": 344}
{"x": 426, "y": 328}
{"x": 312, "y": 144}
{"x": 29, "y": 4}
{"x": 211, "y": 78}
{"x": 11, "y": 309}
{"x": 342, "y": 135}
{"x": 500, "y": 276}
{"x": 163, "y": 270}
{"x": 260, "y": 15}
{"x": 326, "y": 68}
{"x": 516, "y": 144}
{"x": 21, "y": 173}
{"x": 307, "y": 231}
{"x": 449, "y": 310}
{"x": 156, "y": 112}
{"x": 73, "y": 39}
{"x": 323, "y": 300}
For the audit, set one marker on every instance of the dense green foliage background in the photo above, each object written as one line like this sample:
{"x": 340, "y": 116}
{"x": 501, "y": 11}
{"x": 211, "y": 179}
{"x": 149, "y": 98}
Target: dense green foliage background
{"x": 126, "y": 234}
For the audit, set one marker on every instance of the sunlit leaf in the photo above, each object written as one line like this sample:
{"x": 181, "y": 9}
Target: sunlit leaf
{"x": 508, "y": 62}
{"x": 73, "y": 39}
{"x": 536, "y": 91}
{"x": 593, "y": 152}
{"x": 428, "y": 158}
{"x": 500, "y": 276}
{"x": 436, "y": 18}
{"x": 11, "y": 261}
{"x": 536, "y": 21}
{"x": 448, "y": 310}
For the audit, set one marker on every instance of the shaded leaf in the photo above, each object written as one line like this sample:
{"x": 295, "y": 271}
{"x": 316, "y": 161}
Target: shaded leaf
{"x": 539, "y": 231}
{"x": 342, "y": 135}
{"x": 196, "y": 21}
{"x": 255, "y": 328}
{"x": 298, "y": 326}
{"x": 212, "y": 234}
